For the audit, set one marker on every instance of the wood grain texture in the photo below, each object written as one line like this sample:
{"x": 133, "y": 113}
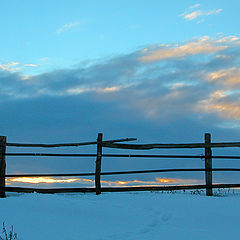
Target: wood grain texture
{"x": 2, "y": 164}
{"x": 98, "y": 164}
{"x": 166, "y": 146}
{"x": 208, "y": 165}
{"x": 116, "y": 189}
{"x": 43, "y": 145}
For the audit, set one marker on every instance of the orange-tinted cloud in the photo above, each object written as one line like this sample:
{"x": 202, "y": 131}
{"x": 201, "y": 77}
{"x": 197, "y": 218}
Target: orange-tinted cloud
{"x": 200, "y": 46}
{"x": 49, "y": 180}
{"x": 218, "y": 102}
{"x": 36, "y": 180}
{"x": 228, "y": 77}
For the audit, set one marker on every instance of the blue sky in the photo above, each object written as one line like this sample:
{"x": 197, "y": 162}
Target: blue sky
{"x": 161, "y": 71}
{"x": 53, "y": 34}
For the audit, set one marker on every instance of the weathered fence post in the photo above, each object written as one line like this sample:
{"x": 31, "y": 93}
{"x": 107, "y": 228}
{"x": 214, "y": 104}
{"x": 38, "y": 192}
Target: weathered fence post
{"x": 208, "y": 165}
{"x": 98, "y": 164}
{"x": 2, "y": 165}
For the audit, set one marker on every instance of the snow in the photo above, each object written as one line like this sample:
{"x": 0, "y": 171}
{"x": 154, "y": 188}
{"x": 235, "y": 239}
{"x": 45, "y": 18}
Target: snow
{"x": 136, "y": 215}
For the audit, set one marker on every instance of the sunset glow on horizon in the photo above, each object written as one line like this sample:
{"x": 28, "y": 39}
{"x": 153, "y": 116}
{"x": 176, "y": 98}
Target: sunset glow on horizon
{"x": 36, "y": 180}
{"x": 49, "y": 180}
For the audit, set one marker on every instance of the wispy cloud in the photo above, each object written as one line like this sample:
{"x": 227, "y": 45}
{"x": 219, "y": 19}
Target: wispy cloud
{"x": 15, "y": 66}
{"x": 193, "y": 15}
{"x": 30, "y": 65}
{"x": 199, "y": 13}
{"x": 195, "y": 6}
{"x": 11, "y": 67}
{"x": 67, "y": 27}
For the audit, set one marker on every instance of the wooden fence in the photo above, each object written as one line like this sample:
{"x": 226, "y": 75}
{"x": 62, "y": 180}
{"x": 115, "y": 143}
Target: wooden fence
{"x": 207, "y": 145}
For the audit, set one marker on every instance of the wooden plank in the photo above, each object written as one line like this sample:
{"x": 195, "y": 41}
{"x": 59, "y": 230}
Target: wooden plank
{"x": 107, "y": 173}
{"x": 152, "y": 156}
{"x": 66, "y": 144}
{"x": 116, "y": 189}
{"x": 121, "y": 172}
{"x": 43, "y": 145}
{"x": 98, "y": 164}
{"x": 50, "y": 155}
{"x": 167, "y": 188}
{"x": 43, "y": 190}
{"x": 172, "y": 170}
{"x": 166, "y": 156}
{"x": 116, "y": 155}
{"x": 2, "y": 164}
{"x": 208, "y": 165}
{"x": 156, "y": 171}
{"x": 166, "y": 146}
{"x": 226, "y": 157}
{"x": 49, "y": 175}
{"x": 103, "y": 155}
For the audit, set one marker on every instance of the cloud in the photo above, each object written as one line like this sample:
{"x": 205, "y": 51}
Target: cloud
{"x": 100, "y": 90}
{"x": 11, "y": 67}
{"x": 157, "y": 83}
{"x": 30, "y": 65}
{"x": 203, "y": 46}
{"x": 67, "y": 27}
{"x": 15, "y": 66}
{"x": 106, "y": 183}
{"x": 193, "y": 15}
{"x": 223, "y": 103}
{"x": 229, "y": 77}
{"x": 195, "y": 6}
{"x": 196, "y": 14}
{"x": 36, "y": 180}
{"x": 213, "y": 12}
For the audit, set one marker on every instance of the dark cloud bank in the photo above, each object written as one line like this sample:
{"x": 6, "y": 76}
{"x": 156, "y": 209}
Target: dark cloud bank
{"x": 176, "y": 97}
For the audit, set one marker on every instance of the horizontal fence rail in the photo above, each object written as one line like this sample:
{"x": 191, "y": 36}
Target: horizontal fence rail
{"x": 116, "y": 155}
{"x": 116, "y": 189}
{"x": 166, "y": 146}
{"x": 65, "y": 144}
{"x": 124, "y": 172}
{"x": 50, "y": 155}
{"x": 99, "y": 155}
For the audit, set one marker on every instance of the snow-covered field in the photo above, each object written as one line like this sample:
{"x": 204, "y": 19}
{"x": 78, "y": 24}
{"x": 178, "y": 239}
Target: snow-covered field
{"x": 138, "y": 216}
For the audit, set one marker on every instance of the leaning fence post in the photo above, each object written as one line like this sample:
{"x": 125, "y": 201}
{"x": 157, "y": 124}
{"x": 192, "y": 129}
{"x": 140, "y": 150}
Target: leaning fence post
{"x": 208, "y": 165}
{"x": 2, "y": 165}
{"x": 98, "y": 164}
